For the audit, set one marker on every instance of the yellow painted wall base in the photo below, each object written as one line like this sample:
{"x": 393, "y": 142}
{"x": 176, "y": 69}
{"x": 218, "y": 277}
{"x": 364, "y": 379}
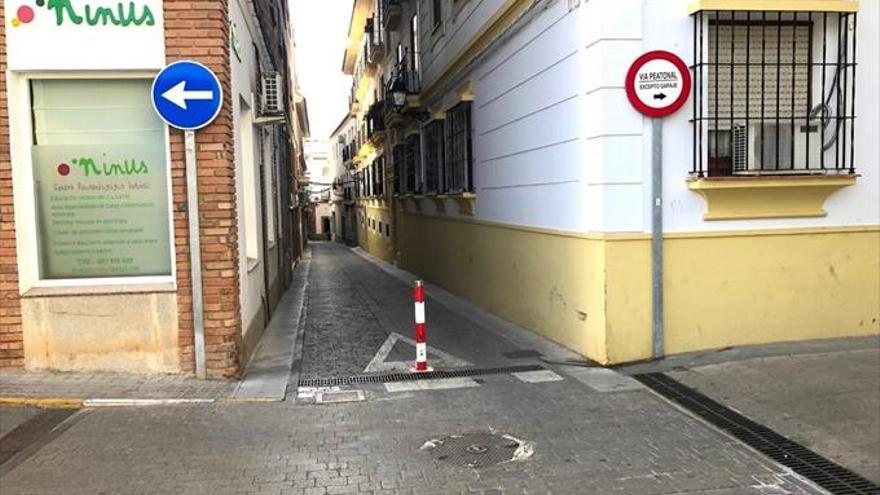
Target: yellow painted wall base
{"x": 785, "y": 286}
{"x": 133, "y": 333}
{"x": 592, "y": 294}
{"x": 549, "y": 282}
{"x": 373, "y": 239}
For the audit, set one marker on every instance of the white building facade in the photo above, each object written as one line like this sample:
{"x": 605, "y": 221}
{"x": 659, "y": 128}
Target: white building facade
{"x": 523, "y": 177}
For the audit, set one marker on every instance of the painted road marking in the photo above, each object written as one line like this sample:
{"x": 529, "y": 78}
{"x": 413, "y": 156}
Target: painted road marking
{"x": 537, "y": 376}
{"x": 436, "y": 384}
{"x": 439, "y": 358}
{"x": 603, "y": 380}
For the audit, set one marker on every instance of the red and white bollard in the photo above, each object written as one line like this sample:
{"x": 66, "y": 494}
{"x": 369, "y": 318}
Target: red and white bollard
{"x": 421, "y": 332}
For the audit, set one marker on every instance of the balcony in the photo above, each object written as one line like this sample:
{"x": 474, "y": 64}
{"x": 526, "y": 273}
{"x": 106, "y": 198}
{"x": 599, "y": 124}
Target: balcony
{"x": 392, "y": 11}
{"x": 403, "y": 79}
{"x": 374, "y": 41}
{"x": 375, "y": 120}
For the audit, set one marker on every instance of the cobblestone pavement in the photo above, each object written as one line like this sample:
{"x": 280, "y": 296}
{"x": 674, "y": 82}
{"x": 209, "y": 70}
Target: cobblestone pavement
{"x": 833, "y": 407}
{"x": 592, "y": 431}
{"x": 585, "y": 442}
{"x": 353, "y": 306}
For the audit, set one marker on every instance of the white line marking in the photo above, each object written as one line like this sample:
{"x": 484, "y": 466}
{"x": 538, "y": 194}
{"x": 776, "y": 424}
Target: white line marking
{"x": 437, "y": 384}
{"x": 439, "y": 358}
{"x": 538, "y": 376}
{"x": 602, "y": 379}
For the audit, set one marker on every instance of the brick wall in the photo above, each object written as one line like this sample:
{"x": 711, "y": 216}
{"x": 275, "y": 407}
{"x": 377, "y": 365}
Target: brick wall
{"x": 11, "y": 351}
{"x": 199, "y": 31}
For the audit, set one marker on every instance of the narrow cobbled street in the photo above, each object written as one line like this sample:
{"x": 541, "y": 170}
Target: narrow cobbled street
{"x": 562, "y": 429}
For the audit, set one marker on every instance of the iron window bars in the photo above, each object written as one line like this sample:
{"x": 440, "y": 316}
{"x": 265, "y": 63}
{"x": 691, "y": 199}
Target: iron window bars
{"x": 397, "y": 158}
{"x": 378, "y": 176}
{"x": 434, "y": 157}
{"x": 774, "y": 92}
{"x": 459, "y": 149}
{"x": 413, "y": 162}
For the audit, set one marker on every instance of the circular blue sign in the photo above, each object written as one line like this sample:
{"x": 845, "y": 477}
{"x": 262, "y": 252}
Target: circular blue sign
{"x": 187, "y": 95}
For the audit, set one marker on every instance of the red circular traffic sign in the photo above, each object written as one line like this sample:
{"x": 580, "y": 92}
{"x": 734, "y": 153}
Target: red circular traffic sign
{"x": 658, "y": 83}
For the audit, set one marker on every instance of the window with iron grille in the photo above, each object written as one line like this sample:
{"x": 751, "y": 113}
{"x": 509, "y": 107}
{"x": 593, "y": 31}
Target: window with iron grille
{"x": 413, "y": 162}
{"x": 379, "y": 176}
{"x": 774, "y": 92}
{"x": 397, "y": 157}
{"x": 459, "y": 158}
{"x": 434, "y": 157}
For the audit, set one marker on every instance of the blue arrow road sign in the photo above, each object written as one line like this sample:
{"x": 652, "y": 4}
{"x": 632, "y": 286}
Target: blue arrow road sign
{"x": 187, "y": 95}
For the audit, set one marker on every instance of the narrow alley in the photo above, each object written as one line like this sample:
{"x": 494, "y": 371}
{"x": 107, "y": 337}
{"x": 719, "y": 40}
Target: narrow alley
{"x": 448, "y": 247}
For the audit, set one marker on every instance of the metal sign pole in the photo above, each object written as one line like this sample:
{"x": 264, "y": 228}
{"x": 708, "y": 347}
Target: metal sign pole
{"x": 195, "y": 251}
{"x": 657, "y": 235}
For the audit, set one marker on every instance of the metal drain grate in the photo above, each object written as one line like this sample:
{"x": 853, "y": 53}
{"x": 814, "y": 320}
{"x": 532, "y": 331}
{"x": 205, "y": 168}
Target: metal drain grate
{"x": 825, "y": 473}
{"x": 406, "y": 377}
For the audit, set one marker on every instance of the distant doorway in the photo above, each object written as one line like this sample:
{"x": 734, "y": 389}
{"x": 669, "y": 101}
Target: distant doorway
{"x": 325, "y": 227}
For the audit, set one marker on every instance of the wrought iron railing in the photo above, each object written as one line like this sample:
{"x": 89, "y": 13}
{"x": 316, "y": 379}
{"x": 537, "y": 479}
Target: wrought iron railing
{"x": 375, "y": 118}
{"x": 774, "y": 92}
{"x": 403, "y": 77}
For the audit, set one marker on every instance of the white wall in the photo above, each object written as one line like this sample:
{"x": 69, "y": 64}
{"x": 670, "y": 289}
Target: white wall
{"x": 440, "y": 48}
{"x": 244, "y": 86}
{"x": 668, "y": 26}
{"x": 558, "y": 145}
{"x": 529, "y": 165}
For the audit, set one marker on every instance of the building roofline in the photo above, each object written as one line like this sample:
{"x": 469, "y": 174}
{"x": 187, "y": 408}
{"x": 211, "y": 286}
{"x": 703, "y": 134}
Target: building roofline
{"x": 341, "y": 125}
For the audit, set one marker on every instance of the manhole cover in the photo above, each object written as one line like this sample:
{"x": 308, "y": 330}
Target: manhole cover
{"x": 478, "y": 450}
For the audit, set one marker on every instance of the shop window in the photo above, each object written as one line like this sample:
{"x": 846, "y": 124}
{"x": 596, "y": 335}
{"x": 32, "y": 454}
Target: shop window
{"x": 459, "y": 156}
{"x": 434, "y": 157}
{"x": 774, "y": 92}
{"x": 100, "y": 180}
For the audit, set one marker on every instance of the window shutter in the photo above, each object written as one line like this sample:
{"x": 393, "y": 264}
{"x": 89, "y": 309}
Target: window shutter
{"x": 777, "y": 46}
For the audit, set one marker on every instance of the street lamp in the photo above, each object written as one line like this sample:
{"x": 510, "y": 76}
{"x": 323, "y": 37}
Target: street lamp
{"x": 398, "y": 91}
{"x": 398, "y": 95}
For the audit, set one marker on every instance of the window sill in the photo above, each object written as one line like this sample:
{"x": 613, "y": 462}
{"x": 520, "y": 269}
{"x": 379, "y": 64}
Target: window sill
{"x": 105, "y": 289}
{"x": 466, "y": 202}
{"x": 734, "y": 198}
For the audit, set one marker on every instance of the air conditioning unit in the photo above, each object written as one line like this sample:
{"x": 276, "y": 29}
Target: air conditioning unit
{"x": 771, "y": 147}
{"x": 272, "y": 99}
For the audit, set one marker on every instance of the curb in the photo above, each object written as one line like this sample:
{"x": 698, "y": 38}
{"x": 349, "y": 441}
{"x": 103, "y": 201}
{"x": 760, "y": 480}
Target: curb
{"x": 43, "y": 402}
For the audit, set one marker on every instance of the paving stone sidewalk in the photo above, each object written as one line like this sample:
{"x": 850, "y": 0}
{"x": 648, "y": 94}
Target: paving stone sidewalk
{"x": 828, "y": 401}
{"x": 36, "y": 385}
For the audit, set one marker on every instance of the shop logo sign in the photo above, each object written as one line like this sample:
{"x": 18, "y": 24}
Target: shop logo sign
{"x": 125, "y": 14}
{"x": 91, "y": 168}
